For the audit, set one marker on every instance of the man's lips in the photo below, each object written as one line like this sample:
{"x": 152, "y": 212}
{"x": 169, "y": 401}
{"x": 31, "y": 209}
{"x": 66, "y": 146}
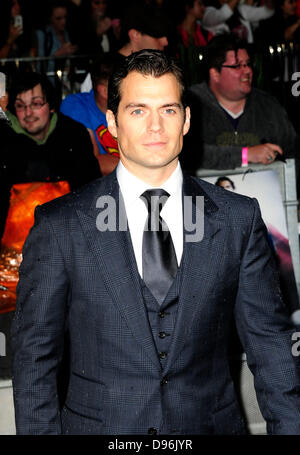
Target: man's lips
{"x": 31, "y": 119}
{"x": 156, "y": 144}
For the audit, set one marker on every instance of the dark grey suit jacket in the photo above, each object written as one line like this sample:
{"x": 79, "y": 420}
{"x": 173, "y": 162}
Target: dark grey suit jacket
{"x": 74, "y": 278}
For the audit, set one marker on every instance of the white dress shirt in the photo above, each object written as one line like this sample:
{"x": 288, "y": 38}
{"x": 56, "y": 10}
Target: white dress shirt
{"x": 132, "y": 188}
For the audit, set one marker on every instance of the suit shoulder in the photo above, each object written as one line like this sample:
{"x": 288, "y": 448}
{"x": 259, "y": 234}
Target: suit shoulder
{"x": 237, "y": 209}
{"x": 71, "y": 201}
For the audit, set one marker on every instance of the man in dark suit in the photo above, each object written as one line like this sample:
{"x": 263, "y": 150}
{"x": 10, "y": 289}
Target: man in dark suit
{"x": 148, "y": 311}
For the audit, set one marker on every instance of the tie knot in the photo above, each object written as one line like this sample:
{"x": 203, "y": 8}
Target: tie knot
{"x": 155, "y": 199}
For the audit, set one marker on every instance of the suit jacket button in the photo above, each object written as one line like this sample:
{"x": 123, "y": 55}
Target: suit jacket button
{"x": 163, "y": 355}
{"x": 164, "y": 381}
{"x": 152, "y": 431}
{"x": 162, "y": 335}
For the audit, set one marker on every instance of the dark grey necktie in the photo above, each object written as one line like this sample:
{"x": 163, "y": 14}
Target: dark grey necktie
{"x": 159, "y": 257}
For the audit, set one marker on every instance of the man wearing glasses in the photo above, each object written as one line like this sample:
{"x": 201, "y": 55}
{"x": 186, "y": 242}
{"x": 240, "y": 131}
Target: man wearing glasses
{"x": 234, "y": 124}
{"x": 41, "y": 145}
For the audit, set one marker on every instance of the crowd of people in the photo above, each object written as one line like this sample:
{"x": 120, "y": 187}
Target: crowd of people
{"x": 88, "y": 27}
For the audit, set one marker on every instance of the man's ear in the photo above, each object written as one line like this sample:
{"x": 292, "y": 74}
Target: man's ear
{"x": 111, "y": 123}
{"x": 134, "y": 35}
{"x": 187, "y": 121}
{"x": 214, "y": 75}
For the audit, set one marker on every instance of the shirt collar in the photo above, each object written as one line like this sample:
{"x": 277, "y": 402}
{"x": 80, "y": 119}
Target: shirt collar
{"x": 132, "y": 187}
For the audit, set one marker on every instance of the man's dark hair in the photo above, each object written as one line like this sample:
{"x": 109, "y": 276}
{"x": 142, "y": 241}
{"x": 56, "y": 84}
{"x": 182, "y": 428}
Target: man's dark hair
{"x": 148, "y": 62}
{"x": 216, "y": 50}
{"x": 102, "y": 69}
{"x": 27, "y": 81}
{"x": 56, "y": 4}
{"x": 147, "y": 19}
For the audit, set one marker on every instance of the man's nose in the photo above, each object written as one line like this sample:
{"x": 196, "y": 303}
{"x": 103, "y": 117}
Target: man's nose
{"x": 155, "y": 122}
{"x": 28, "y": 106}
{"x": 247, "y": 69}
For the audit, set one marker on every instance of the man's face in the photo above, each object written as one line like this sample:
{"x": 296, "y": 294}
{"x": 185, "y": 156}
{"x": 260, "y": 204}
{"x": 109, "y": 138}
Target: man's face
{"x": 35, "y": 121}
{"x": 289, "y": 8}
{"x": 15, "y": 8}
{"x": 99, "y": 7}
{"x": 198, "y": 9}
{"x": 149, "y": 42}
{"x": 59, "y": 19}
{"x": 150, "y": 124}
{"x": 234, "y": 83}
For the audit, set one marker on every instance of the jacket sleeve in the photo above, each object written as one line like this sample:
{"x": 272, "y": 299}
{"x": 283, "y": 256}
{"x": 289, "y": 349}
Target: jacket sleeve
{"x": 38, "y": 331}
{"x": 221, "y": 156}
{"x": 266, "y": 334}
{"x": 209, "y": 156}
{"x": 255, "y": 13}
{"x": 287, "y": 136}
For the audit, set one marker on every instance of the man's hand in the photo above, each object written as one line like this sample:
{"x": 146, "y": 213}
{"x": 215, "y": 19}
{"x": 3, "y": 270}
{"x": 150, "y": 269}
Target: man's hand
{"x": 14, "y": 33}
{"x": 103, "y": 25}
{"x": 66, "y": 49}
{"x": 264, "y": 153}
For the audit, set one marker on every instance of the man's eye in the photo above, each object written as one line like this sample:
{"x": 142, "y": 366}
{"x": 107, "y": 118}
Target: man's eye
{"x": 137, "y": 112}
{"x": 170, "y": 111}
{"x": 37, "y": 105}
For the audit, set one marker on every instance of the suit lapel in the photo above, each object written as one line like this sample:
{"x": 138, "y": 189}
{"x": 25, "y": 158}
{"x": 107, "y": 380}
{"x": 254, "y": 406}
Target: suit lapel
{"x": 114, "y": 254}
{"x": 198, "y": 261}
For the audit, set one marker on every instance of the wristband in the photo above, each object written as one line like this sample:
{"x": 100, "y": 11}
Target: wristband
{"x": 244, "y": 156}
